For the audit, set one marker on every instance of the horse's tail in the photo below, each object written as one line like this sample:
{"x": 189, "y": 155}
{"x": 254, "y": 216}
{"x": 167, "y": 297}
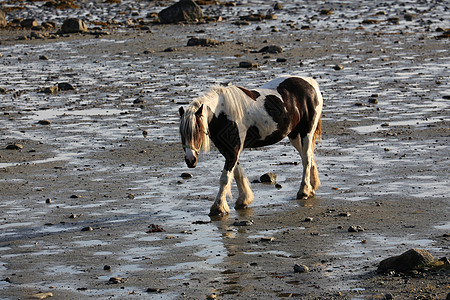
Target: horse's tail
{"x": 318, "y": 133}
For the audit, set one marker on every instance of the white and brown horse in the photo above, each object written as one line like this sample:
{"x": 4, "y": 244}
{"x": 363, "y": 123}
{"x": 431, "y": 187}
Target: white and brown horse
{"x": 235, "y": 118}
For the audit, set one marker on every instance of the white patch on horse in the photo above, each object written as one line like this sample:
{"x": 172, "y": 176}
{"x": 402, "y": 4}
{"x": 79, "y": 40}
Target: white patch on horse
{"x": 263, "y": 121}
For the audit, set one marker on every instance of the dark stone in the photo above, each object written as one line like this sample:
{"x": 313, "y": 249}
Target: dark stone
{"x": 182, "y": 11}
{"x": 116, "y": 280}
{"x": 356, "y": 228}
{"x": 268, "y": 178}
{"x": 252, "y": 17}
{"x": 186, "y": 175}
{"x": 394, "y": 20}
{"x": 410, "y": 17}
{"x": 64, "y": 86}
{"x": 14, "y": 147}
{"x": 410, "y": 260}
{"x": 45, "y": 122}
{"x": 243, "y": 223}
{"x": 28, "y": 23}
{"x": 277, "y": 6}
{"x": 202, "y": 42}
{"x": 388, "y": 297}
{"x": 154, "y": 290}
{"x": 271, "y": 49}
{"x": 170, "y": 49}
{"x": 155, "y": 228}
{"x": 326, "y": 12}
{"x": 73, "y": 25}
{"x": 247, "y": 65}
{"x": 301, "y": 268}
{"x": 50, "y": 90}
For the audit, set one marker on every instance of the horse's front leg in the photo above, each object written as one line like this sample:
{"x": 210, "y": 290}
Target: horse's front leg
{"x": 220, "y": 206}
{"x": 245, "y": 193}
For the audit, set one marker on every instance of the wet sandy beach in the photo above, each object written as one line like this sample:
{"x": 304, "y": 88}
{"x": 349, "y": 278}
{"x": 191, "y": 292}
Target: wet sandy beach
{"x": 79, "y": 199}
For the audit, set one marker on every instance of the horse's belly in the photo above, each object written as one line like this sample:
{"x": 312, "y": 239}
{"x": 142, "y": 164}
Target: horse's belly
{"x": 253, "y": 138}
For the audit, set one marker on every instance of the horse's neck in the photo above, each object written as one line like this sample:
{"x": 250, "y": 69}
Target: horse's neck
{"x": 210, "y": 103}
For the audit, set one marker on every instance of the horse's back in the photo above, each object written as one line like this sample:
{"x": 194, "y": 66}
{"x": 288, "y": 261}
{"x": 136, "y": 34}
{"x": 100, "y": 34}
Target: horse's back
{"x": 275, "y": 83}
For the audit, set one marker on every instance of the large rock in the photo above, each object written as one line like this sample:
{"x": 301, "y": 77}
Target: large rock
{"x": 410, "y": 260}
{"x": 3, "y": 22}
{"x": 73, "y": 25}
{"x": 183, "y": 11}
{"x": 28, "y": 23}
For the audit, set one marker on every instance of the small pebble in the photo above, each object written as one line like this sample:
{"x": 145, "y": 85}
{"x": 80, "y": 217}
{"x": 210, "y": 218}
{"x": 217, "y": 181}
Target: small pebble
{"x": 247, "y": 65}
{"x": 356, "y": 228}
{"x": 65, "y": 86}
{"x": 116, "y": 280}
{"x": 45, "y": 122}
{"x": 345, "y": 214}
{"x": 154, "y": 290}
{"x": 243, "y": 223}
{"x": 186, "y": 175}
{"x": 301, "y": 268}
{"x": 14, "y": 147}
{"x": 268, "y": 178}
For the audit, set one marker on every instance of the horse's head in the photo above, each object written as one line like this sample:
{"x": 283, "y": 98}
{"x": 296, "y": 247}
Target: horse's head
{"x": 194, "y": 133}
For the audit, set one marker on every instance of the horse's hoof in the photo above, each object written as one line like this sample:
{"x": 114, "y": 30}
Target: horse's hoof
{"x": 303, "y": 196}
{"x": 240, "y": 206}
{"x": 217, "y": 213}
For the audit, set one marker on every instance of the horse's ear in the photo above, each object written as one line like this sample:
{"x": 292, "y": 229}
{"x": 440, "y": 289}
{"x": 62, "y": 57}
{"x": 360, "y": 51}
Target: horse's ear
{"x": 181, "y": 111}
{"x": 199, "y": 112}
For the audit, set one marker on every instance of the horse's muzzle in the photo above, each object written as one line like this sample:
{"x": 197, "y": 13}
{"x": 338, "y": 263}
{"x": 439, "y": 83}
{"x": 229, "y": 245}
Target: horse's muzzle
{"x": 190, "y": 158}
{"x": 191, "y": 163}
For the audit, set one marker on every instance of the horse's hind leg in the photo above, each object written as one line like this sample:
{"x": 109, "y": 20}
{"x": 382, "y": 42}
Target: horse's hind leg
{"x": 315, "y": 181}
{"x": 245, "y": 193}
{"x": 304, "y": 147}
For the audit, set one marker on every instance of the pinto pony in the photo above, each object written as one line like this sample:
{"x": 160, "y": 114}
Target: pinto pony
{"x": 235, "y": 118}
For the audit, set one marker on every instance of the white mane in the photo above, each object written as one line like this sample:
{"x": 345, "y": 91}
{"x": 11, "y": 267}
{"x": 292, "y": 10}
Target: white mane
{"x": 231, "y": 100}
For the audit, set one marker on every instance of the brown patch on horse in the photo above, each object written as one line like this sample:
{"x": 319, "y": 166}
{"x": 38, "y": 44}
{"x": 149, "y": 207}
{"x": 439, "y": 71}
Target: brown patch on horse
{"x": 300, "y": 93}
{"x": 252, "y": 94}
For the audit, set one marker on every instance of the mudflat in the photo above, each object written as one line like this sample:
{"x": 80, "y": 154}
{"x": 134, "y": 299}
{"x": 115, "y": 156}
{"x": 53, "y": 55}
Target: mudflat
{"x": 93, "y": 204}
